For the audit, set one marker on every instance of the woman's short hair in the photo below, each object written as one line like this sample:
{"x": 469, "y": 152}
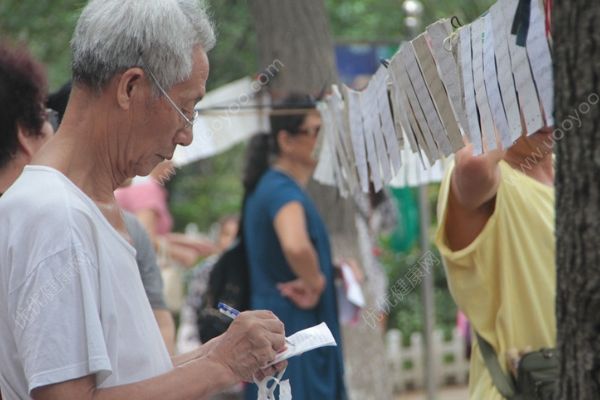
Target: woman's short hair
{"x": 23, "y": 92}
{"x": 113, "y": 35}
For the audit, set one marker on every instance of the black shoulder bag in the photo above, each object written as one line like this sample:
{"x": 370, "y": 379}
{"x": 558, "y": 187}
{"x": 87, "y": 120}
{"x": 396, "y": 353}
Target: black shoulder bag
{"x": 537, "y": 373}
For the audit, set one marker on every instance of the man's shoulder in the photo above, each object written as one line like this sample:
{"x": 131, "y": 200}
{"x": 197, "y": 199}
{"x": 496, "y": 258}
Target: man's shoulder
{"x": 43, "y": 195}
{"x": 43, "y": 212}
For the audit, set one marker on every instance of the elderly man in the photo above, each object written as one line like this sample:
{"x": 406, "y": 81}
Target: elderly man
{"x": 75, "y": 322}
{"x": 496, "y": 236}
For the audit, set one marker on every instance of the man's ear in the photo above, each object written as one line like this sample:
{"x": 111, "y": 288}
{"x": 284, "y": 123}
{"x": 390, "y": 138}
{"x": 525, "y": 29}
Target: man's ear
{"x": 129, "y": 84}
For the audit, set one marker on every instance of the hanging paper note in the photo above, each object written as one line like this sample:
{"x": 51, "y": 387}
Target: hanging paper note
{"x": 389, "y": 143}
{"x": 371, "y": 114}
{"x": 356, "y": 130}
{"x": 369, "y": 139}
{"x": 437, "y": 92}
{"x": 431, "y": 116}
{"x": 377, "y": 95}
{"x": 324, "y": 170}
{"x": 505, "y": 75}
{"x": 488, "y": 132}
{"x": 465, "y": 55}
{"x": 439, "y": 33}
{"x": 417, "y": 119}
{"x": 400, "y": 107}
{"x": 345, "y": 151}
{"x": 491, "y": 84}
{"x": 387, "y": 126}
{"x": 526, "y": 93}
{"x": 540, "y": 60}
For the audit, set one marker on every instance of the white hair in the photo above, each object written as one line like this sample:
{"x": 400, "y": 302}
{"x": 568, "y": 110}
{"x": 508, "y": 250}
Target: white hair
{"x": 160, "y": 35}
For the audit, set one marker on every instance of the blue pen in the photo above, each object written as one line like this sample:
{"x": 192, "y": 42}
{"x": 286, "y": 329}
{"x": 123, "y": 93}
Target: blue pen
{"x": 229, "y": 311}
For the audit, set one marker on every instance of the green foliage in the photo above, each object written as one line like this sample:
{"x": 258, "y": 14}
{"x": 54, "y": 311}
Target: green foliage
{"x": 235, "y": 55}
{"x": 407, "y": 313}
{"x": 207, "y": 190}
{"x": 46, "y": 27}
{"x": 383, "y": 21}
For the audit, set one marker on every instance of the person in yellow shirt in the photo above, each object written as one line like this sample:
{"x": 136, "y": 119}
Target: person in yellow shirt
{"x": 496, "y": 237}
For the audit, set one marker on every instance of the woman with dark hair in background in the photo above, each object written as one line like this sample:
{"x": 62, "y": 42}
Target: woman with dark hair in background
{"x": 25, "y": 123}
{"x": 287, "y": 245}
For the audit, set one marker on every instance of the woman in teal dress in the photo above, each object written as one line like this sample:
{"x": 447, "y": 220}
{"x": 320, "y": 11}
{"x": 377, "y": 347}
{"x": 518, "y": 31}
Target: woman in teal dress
{"x": 288, "y": 250}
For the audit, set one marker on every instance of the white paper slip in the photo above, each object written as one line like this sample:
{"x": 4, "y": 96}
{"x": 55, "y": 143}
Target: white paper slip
{"x": 417, "y": 120}
{"x": 350, "y": 297}
{"x": 338, "y": 155}
{"x": 431, "y": 115}
{"x": 324, "y": 170}
{"x": 371, "y": 114}
{"x": 388, "y": 129}
{"x": 505, "y": 75}
{"x": 540, "y": 60}
{"x": 491, "y": 84}
{"x": 369, "y": 139}
{"x": 447, "y": 67}
{"x": 352, "y": 288}
{"x": 466, "y": 66}
{"x": 438, "y": 94}
{"x": 526, "y": 93}
{"x": 391, "y": 91}
{"x": 356, "y": 131}
{"x": 400, "y": 106}
{"x": 306, "y": 340}
{"x": 488, "y": 132}
{"x": 337, "y": 105}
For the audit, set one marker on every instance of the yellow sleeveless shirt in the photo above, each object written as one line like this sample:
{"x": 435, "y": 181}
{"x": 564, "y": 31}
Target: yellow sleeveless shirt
{"x": 505, "y": 280}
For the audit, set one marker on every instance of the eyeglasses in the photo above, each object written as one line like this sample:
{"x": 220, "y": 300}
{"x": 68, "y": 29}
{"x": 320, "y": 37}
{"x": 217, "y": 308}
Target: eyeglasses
{"x": 313, "y": 132}
{"x": 189, "y": 122}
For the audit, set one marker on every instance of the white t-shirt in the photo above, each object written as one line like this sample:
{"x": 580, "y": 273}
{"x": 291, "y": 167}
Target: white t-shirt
{"x": 72, "y": 302}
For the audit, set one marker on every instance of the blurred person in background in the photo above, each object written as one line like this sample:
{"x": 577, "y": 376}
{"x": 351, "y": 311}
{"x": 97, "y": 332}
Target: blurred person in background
{"x": 148, "y": 201}
{"x": 187, "y": 334}
{"x": 25, "y": 122}
{"x": 496, "y": 237}
{"x": 188, "y": 338}
{"x": 287, "y": 245}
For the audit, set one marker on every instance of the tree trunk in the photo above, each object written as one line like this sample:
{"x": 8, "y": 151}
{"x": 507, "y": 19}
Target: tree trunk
{"x": 295, "y": 35}
{"x": 577, "y": 132}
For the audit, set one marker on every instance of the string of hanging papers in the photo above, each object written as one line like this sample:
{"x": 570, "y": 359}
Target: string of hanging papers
{"x": 440, "y": 91}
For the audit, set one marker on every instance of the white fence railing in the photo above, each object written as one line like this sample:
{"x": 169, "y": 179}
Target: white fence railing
{"x": 406, "y": 363}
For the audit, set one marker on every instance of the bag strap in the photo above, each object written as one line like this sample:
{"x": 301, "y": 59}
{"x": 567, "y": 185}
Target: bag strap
{"x": 503, "y": 383}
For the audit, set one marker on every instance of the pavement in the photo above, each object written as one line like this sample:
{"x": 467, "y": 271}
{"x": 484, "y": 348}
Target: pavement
{"x": 447, "y": 393}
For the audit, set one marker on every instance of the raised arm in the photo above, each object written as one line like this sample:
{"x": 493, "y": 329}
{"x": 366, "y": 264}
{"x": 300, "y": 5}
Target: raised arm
{"x": 471, "y": 200}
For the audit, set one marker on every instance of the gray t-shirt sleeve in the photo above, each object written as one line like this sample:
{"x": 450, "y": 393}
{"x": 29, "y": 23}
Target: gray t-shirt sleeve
{"x": 146, "y": 261}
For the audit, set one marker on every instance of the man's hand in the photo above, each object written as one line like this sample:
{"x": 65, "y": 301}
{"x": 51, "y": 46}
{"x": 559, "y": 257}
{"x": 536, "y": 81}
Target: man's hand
{"x": 252, "y": 341}
{"x": 300, "y": 293}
